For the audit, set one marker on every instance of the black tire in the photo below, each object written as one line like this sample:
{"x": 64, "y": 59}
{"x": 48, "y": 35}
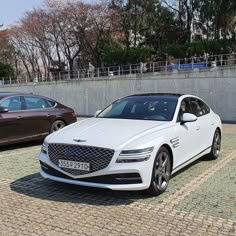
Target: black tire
{"x": 57, "y": 125}
{"x": 161, "y": 172}
{"x": 215, "y": 148}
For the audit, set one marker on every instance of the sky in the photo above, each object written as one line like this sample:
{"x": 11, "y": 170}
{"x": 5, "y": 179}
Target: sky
{"x": 12, "y": 10}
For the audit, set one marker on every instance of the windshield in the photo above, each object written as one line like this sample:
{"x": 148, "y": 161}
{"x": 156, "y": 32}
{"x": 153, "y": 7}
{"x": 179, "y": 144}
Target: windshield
{"x": 157, "y": 108}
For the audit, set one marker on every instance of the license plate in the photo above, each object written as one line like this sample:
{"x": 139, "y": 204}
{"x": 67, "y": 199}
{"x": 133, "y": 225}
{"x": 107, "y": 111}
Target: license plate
{"x": 75, "y": 165}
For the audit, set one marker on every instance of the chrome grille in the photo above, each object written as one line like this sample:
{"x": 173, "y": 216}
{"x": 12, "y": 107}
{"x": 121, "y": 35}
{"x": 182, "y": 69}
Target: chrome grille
{"x": 98, "y": 158}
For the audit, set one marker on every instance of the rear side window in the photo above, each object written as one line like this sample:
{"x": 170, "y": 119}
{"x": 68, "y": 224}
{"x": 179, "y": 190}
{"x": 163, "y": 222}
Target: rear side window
{"x": 50, "y": 103}
{"x": 12, "y": 103}
{"x": 199, "y": 108}
{"x": 32, "y": 103}
{"x": 205, "y": 109}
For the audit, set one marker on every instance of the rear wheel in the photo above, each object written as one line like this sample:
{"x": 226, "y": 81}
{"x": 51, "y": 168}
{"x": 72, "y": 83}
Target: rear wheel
{"x": 57, "y": 125}
{"x": 161, "y": 172}
{"x": 215, "y": 148}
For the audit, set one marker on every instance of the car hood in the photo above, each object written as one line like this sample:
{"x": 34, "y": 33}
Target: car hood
{"x": 108, "y": 133}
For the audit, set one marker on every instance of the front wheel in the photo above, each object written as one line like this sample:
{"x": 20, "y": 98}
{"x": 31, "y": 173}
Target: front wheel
{"x": 161, "y": 172}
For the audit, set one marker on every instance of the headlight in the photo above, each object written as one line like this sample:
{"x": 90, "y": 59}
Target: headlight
{"x": 44, "y": 148}
{"x": 135, "y": 155}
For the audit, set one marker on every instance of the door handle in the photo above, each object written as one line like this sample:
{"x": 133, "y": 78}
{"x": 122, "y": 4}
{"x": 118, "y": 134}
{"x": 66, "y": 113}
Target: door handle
{"x": 212, "y": 123}
{"x": 198, "y": 128}
{"x": 49, "y": 115}
{"x": 19, "y": 117}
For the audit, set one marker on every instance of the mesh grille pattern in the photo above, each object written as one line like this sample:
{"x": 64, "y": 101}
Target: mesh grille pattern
{"x": 98, "y": 158}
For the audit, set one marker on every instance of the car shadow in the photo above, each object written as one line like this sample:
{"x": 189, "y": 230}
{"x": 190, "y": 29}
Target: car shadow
{"x": 189, "y": 166}
{"x": 37, "y": 187}
{"x": 28, "y": 144}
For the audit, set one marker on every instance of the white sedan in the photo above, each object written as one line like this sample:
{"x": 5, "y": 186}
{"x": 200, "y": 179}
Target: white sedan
{"x": 136, "y": 143}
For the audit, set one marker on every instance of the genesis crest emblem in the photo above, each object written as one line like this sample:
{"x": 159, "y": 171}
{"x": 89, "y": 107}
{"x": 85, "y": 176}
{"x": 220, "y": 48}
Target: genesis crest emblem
{"x": 79, "y": 140}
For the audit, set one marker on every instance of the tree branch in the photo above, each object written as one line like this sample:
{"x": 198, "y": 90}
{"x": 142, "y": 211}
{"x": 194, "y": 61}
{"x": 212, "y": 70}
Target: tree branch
{"x": 171, "y": 7}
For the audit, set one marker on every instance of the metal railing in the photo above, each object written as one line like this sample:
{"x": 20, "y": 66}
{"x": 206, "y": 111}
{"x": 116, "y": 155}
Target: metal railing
{"x": 160, "y": 67}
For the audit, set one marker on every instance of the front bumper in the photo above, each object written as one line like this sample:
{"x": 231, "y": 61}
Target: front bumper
{"x": 117, "y": 176}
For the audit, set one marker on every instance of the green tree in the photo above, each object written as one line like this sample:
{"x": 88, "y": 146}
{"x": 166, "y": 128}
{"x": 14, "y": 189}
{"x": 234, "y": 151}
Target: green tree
{"x": 6, "y": 70}
{"x": 7, "y": 62}
{"x": 218, "y": 18}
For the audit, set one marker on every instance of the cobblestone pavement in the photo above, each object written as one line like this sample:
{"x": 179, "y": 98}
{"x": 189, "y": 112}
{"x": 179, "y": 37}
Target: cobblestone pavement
{"x": 200, "y": 200}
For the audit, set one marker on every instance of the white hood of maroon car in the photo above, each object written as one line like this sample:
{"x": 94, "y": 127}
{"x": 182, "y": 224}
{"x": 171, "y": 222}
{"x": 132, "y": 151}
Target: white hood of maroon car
{"x": 108, "y": 133}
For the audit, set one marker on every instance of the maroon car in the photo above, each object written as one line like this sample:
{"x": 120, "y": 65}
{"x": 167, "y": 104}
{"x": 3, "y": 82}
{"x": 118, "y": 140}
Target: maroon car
{"x": 25, "y": 117}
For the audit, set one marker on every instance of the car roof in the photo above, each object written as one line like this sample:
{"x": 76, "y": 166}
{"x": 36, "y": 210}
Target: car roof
{"x": 10, "y": 93}
{"x": 159, "y": 94}
{"x": 164, "y": 95}
{"x": 7, "y": 94}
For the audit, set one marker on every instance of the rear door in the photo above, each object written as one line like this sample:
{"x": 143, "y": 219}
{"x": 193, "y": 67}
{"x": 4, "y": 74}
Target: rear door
{"x": 11, "y": 123}
{"x": 38, "y": 114}
{"x": 204, "y": 126}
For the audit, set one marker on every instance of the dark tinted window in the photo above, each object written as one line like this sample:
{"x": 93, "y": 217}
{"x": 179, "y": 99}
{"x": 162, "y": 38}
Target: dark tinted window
{"x": 50, "y": 103}
{"x": 184, "y": 108}
{"x": 199, "y": 108}
{"x": 37, "y": 103}
{"x": 205, "y": 109}
{"x": 12, "y": 103}
{"x": 142, "y": 108}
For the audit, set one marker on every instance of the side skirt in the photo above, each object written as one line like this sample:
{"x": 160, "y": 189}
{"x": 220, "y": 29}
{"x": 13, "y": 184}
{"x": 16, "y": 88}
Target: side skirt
{"x": 204, "y": 152}
{"x": 23, "y": 139}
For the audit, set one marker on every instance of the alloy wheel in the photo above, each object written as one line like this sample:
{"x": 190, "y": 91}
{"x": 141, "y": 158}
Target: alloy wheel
{"x": 57, "y": 125}
{"x": 162, "y": 170}
{"x": 216, "y": 144}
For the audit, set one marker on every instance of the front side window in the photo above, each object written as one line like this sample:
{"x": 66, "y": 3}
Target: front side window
{"x": 32, "y": 103}
{"x": 184, "y": 108}
{"x": 12, "y": 104}
{"x": 142, "y": 108}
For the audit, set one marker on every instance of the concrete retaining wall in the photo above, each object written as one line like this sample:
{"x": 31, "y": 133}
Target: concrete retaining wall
{"x": 217, "y": 88}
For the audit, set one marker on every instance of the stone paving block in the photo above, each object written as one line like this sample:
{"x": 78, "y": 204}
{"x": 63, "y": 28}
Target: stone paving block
{"x": 31, "y": 205}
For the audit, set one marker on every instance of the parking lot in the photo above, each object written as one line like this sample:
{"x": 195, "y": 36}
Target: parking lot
{"x": 200, "y": 200}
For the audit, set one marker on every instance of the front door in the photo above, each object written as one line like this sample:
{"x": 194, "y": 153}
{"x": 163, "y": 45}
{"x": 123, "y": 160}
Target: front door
{"x": 11, "y": 122}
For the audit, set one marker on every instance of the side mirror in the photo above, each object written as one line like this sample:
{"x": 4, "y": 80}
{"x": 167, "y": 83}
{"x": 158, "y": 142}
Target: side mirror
{"x": 188, "y": 117}
{"x": 96, "y": 113}
{"x": 3, "y": 110}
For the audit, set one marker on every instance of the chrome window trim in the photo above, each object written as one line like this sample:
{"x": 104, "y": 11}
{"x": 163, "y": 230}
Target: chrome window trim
{"x": 40, "y": 109}
{"x": 5, "y": 98}
{"x": 41, "y": 98}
